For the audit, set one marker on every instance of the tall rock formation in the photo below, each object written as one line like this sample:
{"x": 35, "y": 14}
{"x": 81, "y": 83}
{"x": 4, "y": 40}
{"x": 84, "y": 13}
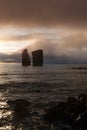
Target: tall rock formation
{"x": 25, "y": 58}
{"x": 37, "y": 56}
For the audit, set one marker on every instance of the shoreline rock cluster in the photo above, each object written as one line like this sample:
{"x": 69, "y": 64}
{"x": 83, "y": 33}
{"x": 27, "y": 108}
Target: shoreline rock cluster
{"x": 68, "y": 115}
{"x": 80, "y": 68}
{"x": 73, "y": 113}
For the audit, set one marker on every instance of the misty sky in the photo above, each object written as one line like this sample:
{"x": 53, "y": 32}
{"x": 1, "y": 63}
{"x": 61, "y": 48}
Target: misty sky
{"x": 57, "y": 26}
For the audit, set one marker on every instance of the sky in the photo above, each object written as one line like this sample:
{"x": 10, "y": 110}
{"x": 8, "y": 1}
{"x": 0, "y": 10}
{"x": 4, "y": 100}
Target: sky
{"x": 59, "y": 27}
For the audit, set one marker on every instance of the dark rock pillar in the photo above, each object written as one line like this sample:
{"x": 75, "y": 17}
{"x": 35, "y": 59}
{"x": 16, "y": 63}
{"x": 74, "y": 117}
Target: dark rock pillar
{"x": 37, "y": 56}
{"x": 25, "y": 58}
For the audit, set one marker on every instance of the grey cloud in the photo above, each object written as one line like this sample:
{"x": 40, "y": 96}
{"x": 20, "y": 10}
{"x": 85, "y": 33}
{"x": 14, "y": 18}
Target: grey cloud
{"x": 72, "y": 50}
{"x": 53, "y": 53}
{"x": 16, "y": 38}
{"x": 30, "y": 34}
{"x": 77, "y": 41}
{"x": 43, "y": 12}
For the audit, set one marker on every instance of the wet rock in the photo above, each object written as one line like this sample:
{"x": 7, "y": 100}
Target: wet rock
{"x": 21, "y": 109}
{"x": 37, "y": 90}
{"x": 79, "y": 68}
{"x": 13, "y": 102}
{"x": 55, "y": 113}
{"x": 73, "y": 112}
{"x": 20, "y": 106}
{"x": 81, "y": 121}
{"x": 82, "y": 98}
{"x": 82, "y": 103}
{"x": 64, "y": 111}
{"x": 25, "y": 58}
{"x": 72, "y": 108}
{"x": 72, "y": 104}
{"x": 71, "y": 100}
{"x": 37, "y": 57}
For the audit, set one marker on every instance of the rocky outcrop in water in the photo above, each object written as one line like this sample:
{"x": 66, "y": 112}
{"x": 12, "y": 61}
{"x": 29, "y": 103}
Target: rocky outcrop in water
{"x": 37, "y": 57}
{"x": 80, "y": 68}
{"x": 72, "y": 113}
{"x": 25, "y": 58}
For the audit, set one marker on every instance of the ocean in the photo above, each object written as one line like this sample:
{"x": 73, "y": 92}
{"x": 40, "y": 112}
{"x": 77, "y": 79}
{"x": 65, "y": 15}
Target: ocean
{"x": 42, "y": 86}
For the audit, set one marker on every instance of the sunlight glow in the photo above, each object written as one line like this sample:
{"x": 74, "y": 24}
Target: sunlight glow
{"x": 12, "y": 46}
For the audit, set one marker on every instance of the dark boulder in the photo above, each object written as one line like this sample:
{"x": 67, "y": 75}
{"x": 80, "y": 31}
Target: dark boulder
{"x": 72, "y": 104}
{"x": 37, "y": 57}
{"x": 55, "y": 113}
{"x": 82, "y": 98}
{"x": 81, "y": 121}
{"x": 82, "y": 103}
{"x": 73, "y": 112}
{"x": 80, "y": 68}
{"x": 25, "y": 58}
{"x": 20, "y": 106}
{"x": 64, "y": 111}
{"x": 13, "y": 102}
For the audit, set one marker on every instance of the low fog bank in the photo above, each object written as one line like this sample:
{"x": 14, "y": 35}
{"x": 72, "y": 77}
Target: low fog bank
{"x": 48, "y": 59}
{"x": 53, "y": 54}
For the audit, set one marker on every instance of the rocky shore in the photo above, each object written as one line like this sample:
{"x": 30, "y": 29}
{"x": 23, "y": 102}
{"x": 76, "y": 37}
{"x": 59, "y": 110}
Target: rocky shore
{"x": 42, "y": 106}
{"x": 72, "y": 113}
{"x": 69, "y": 115}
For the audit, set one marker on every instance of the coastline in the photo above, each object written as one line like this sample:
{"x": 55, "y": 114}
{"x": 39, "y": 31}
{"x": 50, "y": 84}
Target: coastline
{"x": 41, "y": 95}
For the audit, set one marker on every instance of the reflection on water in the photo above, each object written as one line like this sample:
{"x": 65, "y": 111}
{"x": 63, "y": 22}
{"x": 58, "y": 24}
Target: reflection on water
{"x": 5, "y": 114}
{"x": 48, "y": 73}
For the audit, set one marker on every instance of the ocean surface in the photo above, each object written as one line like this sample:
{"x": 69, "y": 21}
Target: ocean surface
{"x": 42, "y": 86}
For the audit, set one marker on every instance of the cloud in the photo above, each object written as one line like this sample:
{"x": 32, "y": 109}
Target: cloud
{"x": 61, "y": 46}
{"x": 43, "y": 12}
{"x": 15, "y": 57}
{"x": 71, "y": 51}
{"x": 62, "y": 43}
{"x": 68, "y": 50}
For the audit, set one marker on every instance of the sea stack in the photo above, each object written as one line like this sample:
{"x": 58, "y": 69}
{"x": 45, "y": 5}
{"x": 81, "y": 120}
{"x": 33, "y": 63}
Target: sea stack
{"x": 37, "y": 56}
{"x": 25, "y": 58}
